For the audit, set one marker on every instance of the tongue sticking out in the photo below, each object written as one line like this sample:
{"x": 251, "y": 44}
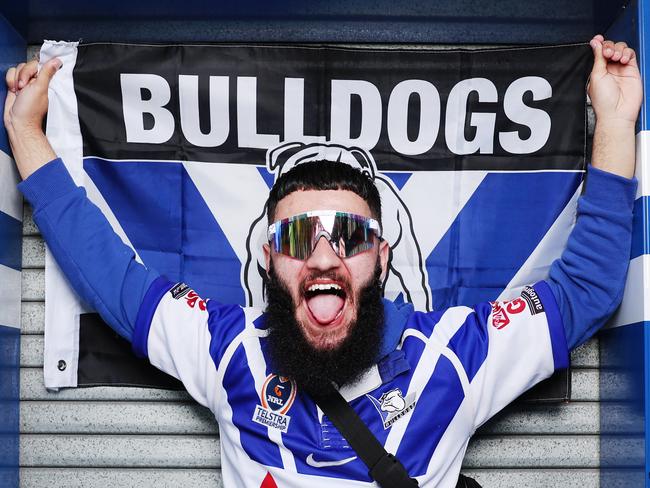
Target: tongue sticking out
{"x": 325, "y": 308}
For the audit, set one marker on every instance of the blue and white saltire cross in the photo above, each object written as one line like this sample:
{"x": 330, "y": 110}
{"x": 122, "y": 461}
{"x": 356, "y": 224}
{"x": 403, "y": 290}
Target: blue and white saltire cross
{"x": 486, "y": 234}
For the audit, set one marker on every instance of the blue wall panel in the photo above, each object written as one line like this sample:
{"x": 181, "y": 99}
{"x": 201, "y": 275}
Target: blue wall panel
{"x": 394, "y": 21}
{"x": 624, "y": 350}
{"x": 9, "y": 407}
{"x": 12, "y": 50}
{"x": 623, "y": 405}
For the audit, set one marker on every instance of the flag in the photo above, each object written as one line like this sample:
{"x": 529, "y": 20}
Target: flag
{"x": 478, "y": 156}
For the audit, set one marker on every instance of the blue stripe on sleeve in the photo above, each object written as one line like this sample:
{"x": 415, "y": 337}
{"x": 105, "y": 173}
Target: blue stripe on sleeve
{"x": 470, "y": 342}
{"x": 555, "y": 325}
{"x": 224, "y": 323}
{"x": 155, "y": 293}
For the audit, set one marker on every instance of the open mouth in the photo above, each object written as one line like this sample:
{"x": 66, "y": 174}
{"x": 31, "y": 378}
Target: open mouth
{"x": 325, "y": 301}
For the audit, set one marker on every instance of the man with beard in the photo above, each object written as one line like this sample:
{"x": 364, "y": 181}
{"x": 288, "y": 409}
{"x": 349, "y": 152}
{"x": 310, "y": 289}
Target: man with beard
{"x": 329, "y": 327}
{"x": 422, "y": 382}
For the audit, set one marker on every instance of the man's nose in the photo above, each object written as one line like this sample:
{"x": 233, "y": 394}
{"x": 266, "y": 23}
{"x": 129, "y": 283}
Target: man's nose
{"x": 323, "y": 257}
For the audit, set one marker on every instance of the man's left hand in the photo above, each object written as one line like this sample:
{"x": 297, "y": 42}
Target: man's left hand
{"x": 616, "y": 94}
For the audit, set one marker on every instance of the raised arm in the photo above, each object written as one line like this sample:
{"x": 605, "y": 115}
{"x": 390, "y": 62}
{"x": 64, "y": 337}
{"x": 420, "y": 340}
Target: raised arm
{"x": 588, "y": 280}
{"x": 100, "y": 267}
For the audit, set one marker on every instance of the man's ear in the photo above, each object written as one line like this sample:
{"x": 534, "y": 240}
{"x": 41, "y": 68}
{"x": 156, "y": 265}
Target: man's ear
{"x": 267, "y": 257}
{"x": 384, "y": 254}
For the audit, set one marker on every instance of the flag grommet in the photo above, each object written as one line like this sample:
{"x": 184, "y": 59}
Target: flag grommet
{"x": 62, "y": 365}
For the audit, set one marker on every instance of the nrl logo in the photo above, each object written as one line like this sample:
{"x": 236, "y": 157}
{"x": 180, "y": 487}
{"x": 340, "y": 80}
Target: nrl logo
{"x": 277, "y": 397}
{"x": 392, "y": 406}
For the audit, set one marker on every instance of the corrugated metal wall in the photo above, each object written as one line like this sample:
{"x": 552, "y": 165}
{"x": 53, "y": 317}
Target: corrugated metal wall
{"x": 97, "y": 437}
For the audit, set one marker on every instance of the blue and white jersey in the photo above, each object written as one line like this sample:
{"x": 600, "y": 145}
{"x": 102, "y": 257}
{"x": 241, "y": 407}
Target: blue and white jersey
{"x": 450, "y": 372}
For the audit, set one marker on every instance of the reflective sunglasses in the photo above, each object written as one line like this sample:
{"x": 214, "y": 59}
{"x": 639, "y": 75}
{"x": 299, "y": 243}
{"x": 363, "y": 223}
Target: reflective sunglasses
{"x": 347, "y": 233}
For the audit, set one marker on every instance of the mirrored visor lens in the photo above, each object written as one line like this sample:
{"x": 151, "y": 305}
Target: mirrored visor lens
{"x": 348, "y": 234}
{"x": 353, "y": 234}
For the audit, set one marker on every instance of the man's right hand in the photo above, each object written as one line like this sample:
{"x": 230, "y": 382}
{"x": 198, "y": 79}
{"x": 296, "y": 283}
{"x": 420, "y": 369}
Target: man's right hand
{"x": 25, "y": 108}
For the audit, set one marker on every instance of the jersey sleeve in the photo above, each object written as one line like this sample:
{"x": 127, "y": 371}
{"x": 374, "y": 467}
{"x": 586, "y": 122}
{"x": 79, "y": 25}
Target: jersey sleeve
{"x": 589, "y": 279}
{"x": 98, "y": 265}
{"x": 186, "y": 336}
{"x": 507, "y": 347}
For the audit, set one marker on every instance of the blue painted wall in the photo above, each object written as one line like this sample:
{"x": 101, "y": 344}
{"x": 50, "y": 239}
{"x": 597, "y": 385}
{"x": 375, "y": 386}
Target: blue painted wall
{"x": 395, "y": 21}
{"x": 625, "y": 350}
{"x": 12, "y": 50}
{"x": 623, "y": 406}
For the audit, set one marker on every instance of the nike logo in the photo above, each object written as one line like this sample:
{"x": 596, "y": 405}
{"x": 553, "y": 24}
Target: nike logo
{"x": 324, "y": 464}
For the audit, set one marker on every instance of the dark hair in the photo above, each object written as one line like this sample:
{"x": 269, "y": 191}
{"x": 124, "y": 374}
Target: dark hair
{"x": 325, "y": 175}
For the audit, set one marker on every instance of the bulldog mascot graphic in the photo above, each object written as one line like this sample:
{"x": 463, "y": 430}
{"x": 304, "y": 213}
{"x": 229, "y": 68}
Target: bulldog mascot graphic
{"x": 406, "y": 273}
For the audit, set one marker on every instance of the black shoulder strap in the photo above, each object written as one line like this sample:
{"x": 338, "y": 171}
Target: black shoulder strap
{"x": 383, "y": 467}
{"x": 466, "y": 482}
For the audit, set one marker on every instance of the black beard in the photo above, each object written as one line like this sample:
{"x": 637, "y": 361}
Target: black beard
{"x": 291, "y": 354}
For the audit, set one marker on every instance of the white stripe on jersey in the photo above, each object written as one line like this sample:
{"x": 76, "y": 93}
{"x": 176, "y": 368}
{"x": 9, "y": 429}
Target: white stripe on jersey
{"x": 257, "y": 366}
{"x": 452, "y": 320}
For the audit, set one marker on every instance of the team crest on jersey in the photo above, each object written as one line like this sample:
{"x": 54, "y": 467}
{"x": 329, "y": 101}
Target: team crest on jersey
{"x": 179, "y": 290}
{"x": 392, "y": 405}
{"x": 277, "y": 396}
